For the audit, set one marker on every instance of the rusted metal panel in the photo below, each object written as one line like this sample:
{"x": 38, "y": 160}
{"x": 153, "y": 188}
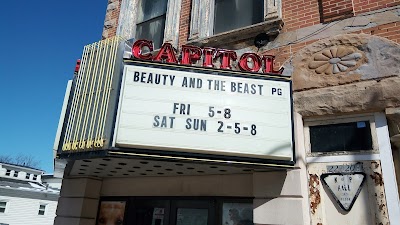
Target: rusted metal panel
{"x": 315, "y": 197}
{"x": 370, "y": 207}
{"x": 377, "y": 192}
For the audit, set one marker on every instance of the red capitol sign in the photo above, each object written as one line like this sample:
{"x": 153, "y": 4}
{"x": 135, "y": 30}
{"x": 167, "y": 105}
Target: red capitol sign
{"x": 192, "y": 54}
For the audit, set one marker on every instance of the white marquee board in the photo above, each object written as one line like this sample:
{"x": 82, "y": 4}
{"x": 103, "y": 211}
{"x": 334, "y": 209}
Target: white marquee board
{"x": 197, "y": 112}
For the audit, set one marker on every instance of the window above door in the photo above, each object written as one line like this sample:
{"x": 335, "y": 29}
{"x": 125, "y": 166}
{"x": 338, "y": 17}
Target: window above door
{"x": 340, "y": 135}
{"x": 233, "y": 14}
{"x": 211, "y": 19}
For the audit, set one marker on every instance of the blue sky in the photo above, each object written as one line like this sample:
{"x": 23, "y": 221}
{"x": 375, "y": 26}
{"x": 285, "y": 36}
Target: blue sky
{"x": 39, "y": 44}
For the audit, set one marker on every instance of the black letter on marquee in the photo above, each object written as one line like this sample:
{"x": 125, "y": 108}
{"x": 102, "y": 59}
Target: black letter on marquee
{"x": 136, "y": 77}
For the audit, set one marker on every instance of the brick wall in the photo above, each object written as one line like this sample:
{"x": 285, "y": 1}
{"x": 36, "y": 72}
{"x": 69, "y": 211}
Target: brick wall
{"x": 361, "y": 6}
{"x": 299, "y": 13}
{"x": 331, "y": 10}
{"x": 111, "y": 19}
{"x": 184, "y": 24}
{"x": 303, "y": 13}
{"x": 282, "y": 54}
{"x": 296, "y": 14}
{"x": 390, "y": 31}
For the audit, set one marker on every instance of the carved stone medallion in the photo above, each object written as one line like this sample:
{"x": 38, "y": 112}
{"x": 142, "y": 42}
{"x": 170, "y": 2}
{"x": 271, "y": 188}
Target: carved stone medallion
{"x": 334, "y": 60}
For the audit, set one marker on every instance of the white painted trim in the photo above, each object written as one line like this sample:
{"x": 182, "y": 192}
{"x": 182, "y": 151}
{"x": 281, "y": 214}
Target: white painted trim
{"x": 172, "y": 21}
{"x": 388, "y": 172}
{"x": 128, "y": 20}
{"x": 272, "y": 9}
{"x": 300, "y": 157}
{"x": 343, "y": 158}
{"x": 62, "y": 117}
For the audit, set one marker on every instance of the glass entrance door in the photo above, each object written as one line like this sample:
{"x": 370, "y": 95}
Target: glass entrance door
{"x": 176, "y": 211}
{"x": 192, "y": 212}
{"x": 187, "y": 216}
{"x": 151, "y": 212}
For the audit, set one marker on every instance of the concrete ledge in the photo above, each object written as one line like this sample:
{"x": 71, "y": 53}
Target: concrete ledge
{"x": 365, "y": 96}
{"x": 73, "y": 221}
{"x": 227, "y": 39}
{"x": 216, "y": 185}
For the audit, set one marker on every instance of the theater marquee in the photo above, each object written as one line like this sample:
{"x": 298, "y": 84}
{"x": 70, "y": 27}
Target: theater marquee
{"x": 204, "y": 111}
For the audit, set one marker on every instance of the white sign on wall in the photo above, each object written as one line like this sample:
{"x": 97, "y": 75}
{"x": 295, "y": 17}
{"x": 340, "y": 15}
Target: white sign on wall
{"x": 345, "y": 188}
{"x": 173, "y": 110}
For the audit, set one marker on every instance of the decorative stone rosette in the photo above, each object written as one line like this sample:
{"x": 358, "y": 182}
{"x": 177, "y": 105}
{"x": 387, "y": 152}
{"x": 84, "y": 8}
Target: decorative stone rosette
{"x": 334, "y": 60}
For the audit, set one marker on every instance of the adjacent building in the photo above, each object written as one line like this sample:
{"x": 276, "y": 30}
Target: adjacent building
{"x": 235, "y": 112}
{"x": 26, "y": 197}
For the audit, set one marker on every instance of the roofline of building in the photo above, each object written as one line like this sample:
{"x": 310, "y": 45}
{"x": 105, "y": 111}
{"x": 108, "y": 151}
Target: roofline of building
{"x": 22, "y": 167}
{"x": 28, "y": 193}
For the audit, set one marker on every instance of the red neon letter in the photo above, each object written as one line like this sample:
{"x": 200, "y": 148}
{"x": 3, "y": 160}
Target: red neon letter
{"x": 244, "y": 66}
{"x": 190, "y": 54}
{"x": 226, "y": 56}
{"x": 269, "y": 64}
{"x": 208, "y": 57}
{"x": 166, "y": 54}
{"x": 137, "y": 49}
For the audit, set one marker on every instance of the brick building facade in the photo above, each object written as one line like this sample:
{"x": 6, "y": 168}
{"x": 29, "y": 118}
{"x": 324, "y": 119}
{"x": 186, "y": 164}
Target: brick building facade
{"x": 348, "y": 17}
{"x": 343, "y": 59}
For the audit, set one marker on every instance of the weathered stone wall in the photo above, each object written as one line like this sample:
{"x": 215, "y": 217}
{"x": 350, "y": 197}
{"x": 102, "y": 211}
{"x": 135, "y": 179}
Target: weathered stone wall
{"x": 346, "y": 74}
{"x": 365, "y": 96}
{"x": 359, "y": 57}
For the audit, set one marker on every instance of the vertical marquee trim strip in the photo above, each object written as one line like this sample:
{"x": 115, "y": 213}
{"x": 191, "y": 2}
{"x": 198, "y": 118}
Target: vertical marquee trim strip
{"x": 92, "y": 86}
{"x": 108, "y": 92}
{"x": 96, "y": 102}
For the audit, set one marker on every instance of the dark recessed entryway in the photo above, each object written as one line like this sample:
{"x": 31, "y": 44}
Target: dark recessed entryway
{"x": 176, "y": 211}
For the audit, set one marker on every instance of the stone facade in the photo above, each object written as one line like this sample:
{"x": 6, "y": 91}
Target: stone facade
{"x": 358, "y": 58}
{"x": 343, "y": 60}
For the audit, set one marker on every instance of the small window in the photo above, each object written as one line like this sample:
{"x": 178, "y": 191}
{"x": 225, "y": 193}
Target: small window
{"x": 16, "y": 173}
{"x": 28, "y": 176}
{"x": 233, "y": 14}
{"x": 34, "y": 177}
{"x": 42, "y": 209}
{"x": 8, "y": 173}
{"x": 349, "y": 136}
{"x": 3, "y": 205}
{"x": 151, "y": 21}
